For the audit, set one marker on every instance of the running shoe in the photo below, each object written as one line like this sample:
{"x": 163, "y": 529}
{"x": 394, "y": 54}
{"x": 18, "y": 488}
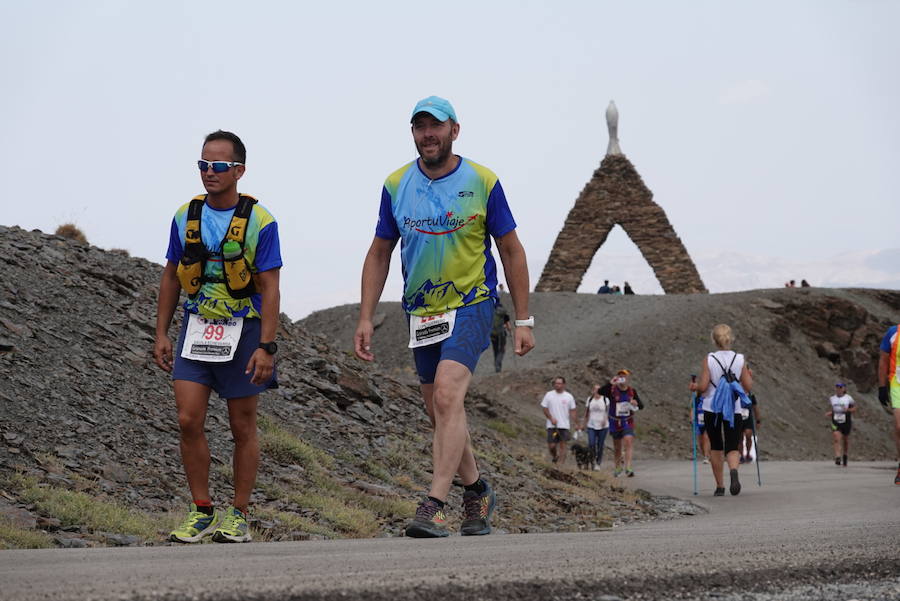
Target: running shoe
{"x": 837, "y": 460}
{"x": 617, "y": 472}
{"x": 233, "y": 529}
{"x": 844, "y": 460}
{"x": 478, "y": 510}
{"x": 706, "y": 461}
{"x": 194, "y": 527}
{"x": 629, "y": 472}
{"x": 735, "y": 488}
{"x": 720, "y": 492}
{"x": 430, "y": 521}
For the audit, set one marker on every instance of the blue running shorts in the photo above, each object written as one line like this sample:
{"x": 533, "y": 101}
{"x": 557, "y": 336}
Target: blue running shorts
{"x": 227, "y": 379}
{"x": 471, "y": 336}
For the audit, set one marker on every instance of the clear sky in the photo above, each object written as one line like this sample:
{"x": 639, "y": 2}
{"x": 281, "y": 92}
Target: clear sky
{"x": 777, "y": 118}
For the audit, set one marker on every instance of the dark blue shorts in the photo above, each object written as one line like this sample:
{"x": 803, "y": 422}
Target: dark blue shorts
{"x": 227, "y": 379}
{"x": 471, "y": 336}
{"x": 620, "y": 434}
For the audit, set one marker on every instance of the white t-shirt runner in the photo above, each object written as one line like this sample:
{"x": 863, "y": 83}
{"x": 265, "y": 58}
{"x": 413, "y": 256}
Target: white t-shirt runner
{"x": 559, "y": 404}
{"x": 598, "y": 412}
{"x": 839, "y": 407}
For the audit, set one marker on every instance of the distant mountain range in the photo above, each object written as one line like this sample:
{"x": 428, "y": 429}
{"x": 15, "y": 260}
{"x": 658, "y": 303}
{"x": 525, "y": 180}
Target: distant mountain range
{"x": 731, "y": 272}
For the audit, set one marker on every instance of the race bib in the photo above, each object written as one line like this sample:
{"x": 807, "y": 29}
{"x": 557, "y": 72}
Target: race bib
{"x": 211, "y": 340}
{"x": 839, "y": 418}
{"x": 745, "y": 413}
{"x": 623, "y": 409}
{"x": 700, "y": 418}
{"x": 430, "y": 329}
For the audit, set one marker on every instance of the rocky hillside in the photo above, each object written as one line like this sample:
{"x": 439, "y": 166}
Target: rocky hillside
{"x": 799, "y": 342}
{"x": 89, "y": 451}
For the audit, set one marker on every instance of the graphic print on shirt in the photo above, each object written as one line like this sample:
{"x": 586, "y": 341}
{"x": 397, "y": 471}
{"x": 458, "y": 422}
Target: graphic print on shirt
{"x": 445, "y": 227}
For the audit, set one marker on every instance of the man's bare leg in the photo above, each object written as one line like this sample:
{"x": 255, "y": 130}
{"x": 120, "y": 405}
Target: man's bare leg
{"x": 242, "y": 416}
{"x": 191, "y": 400}
{"x": 451, "y": 448}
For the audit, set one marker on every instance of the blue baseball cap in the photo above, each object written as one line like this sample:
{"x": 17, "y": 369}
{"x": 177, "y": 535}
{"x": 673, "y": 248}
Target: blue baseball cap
{"x": 435, "y": 106}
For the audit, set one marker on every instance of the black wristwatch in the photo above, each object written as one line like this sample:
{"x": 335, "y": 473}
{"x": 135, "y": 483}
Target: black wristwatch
{"x": 269, "y": 347}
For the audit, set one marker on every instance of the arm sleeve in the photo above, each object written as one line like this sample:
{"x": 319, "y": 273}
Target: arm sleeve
{"x": 606, "y": 390}
{"x": 499, "y": 219}
{"x": 268, "y": 249}
{"x": 387, "y": 225}
{"x": 886, "y": 341}
{"x": 176, "y": 250}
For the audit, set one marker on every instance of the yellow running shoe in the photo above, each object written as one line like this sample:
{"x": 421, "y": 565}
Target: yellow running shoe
{"x": 233, "y": 528}
{"x": 194, "y": 527}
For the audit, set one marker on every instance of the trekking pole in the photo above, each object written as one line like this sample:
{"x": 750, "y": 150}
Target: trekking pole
{"x": 694, "y": 431}
{"x": 756, "y": 445}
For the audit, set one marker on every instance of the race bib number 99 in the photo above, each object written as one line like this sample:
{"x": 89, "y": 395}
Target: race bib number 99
{"x": 211, "y": 340}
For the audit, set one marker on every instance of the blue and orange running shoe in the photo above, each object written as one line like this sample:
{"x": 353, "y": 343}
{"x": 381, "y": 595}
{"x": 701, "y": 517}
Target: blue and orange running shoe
{"x": 430, "y": 521}
{"x": 194, "y": 527}
{"x": 478, "y": 510}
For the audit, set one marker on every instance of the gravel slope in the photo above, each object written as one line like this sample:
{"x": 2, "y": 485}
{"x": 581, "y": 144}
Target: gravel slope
{"x": 663, "y": 339}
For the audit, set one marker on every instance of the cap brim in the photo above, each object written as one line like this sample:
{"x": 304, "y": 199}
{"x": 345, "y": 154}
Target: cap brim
{"x": 434, "y": 112}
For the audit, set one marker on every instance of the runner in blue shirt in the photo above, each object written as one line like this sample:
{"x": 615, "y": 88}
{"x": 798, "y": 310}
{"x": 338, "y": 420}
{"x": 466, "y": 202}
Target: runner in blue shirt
{"x": 445, "y": 210}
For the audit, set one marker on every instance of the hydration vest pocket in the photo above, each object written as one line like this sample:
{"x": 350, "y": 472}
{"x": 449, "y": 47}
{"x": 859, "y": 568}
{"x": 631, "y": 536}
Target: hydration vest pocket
{"x": 238, "y": 277}
{"x": 190, "y": 270}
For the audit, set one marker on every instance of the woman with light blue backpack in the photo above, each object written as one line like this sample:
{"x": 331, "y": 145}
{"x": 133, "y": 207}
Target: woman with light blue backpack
{"x": 726, "y": 370}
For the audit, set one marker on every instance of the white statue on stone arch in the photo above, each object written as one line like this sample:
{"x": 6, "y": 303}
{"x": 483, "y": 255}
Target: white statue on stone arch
{"x": 612, "y": 123}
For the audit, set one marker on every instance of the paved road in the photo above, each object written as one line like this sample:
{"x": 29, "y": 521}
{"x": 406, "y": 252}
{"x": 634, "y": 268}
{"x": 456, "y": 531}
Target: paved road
{"x": 810, "y": 522}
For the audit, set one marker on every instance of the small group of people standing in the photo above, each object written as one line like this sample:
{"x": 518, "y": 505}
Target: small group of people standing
{"x": 614, "y": 289}
{"x": 608, "y": 410}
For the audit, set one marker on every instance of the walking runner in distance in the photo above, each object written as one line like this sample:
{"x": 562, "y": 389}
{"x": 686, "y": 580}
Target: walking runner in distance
{"x": 889, "y": 383}
{"x": 596, "y": 420}
{"x": 724, "y": 433}
{"x": 445, "y": 209}
{"x": 558, "y": 405}
{"x": 224, "y": 252}
{"x": 842, "y": 408}
{"x": 623, "y": 402}
{"x": 751, "y": 420}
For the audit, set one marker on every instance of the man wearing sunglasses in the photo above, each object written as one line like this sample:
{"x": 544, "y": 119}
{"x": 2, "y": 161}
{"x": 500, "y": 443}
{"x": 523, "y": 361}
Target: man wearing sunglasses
{"x": 227, "y": 339}
{"x": 445, "y": 209}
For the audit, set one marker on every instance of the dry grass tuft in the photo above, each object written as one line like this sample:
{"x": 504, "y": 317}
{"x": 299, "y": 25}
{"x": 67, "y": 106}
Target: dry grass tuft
{"x": 71, "y": 232}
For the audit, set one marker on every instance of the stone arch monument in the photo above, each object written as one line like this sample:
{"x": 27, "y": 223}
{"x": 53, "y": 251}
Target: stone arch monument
{"x": 616, "y": 195}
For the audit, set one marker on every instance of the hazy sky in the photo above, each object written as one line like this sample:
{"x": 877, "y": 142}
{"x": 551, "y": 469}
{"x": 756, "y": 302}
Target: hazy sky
{"x": 778, "y": 117}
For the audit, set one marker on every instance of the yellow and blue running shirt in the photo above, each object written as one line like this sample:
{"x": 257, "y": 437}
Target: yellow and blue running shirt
{"x": 261, "y": 248}
{"x": 445, "y": 228}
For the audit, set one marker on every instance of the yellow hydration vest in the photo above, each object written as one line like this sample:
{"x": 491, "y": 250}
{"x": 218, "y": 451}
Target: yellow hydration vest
{"x": 191, "y": 270}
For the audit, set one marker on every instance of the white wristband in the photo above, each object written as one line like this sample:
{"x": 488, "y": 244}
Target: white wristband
{"x": 527, "y": 323}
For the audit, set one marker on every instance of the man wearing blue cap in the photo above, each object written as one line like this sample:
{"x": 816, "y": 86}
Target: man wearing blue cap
{"x": 445, "y": 209}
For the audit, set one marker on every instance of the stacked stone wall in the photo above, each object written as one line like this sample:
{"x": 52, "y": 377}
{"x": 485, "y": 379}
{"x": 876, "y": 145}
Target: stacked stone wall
{"x": 616, "y": 195}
